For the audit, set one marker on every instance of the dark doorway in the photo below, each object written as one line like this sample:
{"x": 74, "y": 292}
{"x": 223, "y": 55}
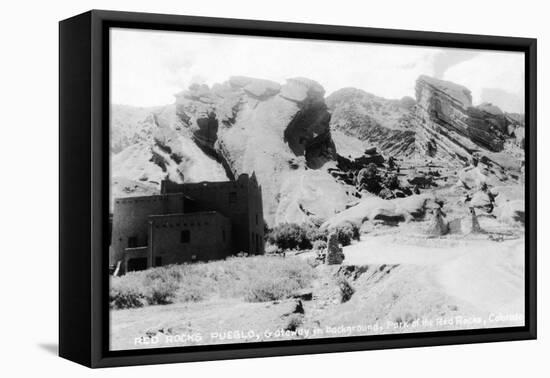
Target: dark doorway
{"x": 138, "y": 263}
{"x": 185, "y": 236}
{"x": 158, "y": 261}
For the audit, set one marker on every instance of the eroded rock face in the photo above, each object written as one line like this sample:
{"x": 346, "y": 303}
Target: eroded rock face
{"x": 280, "y": 132}
{"x": 387, "y": 124}
{"x": 390, "y": 211}
{"x": 152, "y": 144}
{"x": 450, "y": 127}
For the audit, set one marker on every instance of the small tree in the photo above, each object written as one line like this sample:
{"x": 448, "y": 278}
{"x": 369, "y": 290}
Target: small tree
{"x": 369, "y": 178}
{"x": 346, "y": 233}
{"x": 392, "y": 182}
{"x": 290, "y": 236}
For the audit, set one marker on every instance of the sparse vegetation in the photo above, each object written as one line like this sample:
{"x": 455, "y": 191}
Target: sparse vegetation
{"x": 346, "y": 290}
{"x": 255, "y": 279}
{"x": 289, "y": 236}
{"x": 295, "y": 321}
{"x": 319, "y": 245}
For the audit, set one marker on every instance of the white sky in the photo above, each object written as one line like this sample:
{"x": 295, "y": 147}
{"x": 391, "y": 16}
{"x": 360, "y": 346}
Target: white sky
{"x": 149, "y": 67}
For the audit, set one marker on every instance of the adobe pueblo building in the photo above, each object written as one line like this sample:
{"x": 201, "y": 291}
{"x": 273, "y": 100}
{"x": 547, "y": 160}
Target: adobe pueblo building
{"x": 186, "y": 223}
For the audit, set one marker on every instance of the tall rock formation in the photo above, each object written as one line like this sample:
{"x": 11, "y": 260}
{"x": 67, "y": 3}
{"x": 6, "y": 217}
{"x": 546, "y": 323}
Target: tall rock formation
{"x": 280, "y": 132}
{"x": 449, "y": 127}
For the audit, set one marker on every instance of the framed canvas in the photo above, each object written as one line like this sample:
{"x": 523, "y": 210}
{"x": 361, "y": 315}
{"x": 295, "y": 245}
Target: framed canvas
{"x": 236, "y": 188}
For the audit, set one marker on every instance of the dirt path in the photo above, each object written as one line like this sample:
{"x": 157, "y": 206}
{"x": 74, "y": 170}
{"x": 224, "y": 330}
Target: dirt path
{"x": 489, "y": 275}
{"x": 397, "y": 280}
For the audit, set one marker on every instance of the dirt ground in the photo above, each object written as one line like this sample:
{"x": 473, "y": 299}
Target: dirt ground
{"x": 399, "y": 281}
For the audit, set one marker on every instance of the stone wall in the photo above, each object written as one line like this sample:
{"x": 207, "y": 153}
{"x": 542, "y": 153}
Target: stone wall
{"x": 208, "y": 237}
{"x": 240, "y": 201}
{"x": 130, "y": 220}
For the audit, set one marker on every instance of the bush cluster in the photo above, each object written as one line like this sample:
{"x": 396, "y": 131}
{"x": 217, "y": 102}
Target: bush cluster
{"x": 288, "y": 236}
{"x": 346, "y": 233}
{"x": 293, "y": 236}
{"x": 254, "y": 279}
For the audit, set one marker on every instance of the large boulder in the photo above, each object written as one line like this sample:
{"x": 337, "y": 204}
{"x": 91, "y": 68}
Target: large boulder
{"x": 437, "y": 226}
{"x": 510, "y": 204}
{"x": 470, "y": 223}
{"x": 301, "y": 89}
{"x": 258, "y": 88}
{"x": 335, "y": 255}
{"x": 472, "y": 177}
{"x": 391, "y": 211}
{"x": 482, "y": 200}
{"x": 511, "y": 212}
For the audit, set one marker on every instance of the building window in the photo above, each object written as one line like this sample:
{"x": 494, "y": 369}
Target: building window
{"x": 232, "y": 197}
{"x": 256, "y": 219}
{"x": 132, "y": 242}
{"x": 185, "y": 236}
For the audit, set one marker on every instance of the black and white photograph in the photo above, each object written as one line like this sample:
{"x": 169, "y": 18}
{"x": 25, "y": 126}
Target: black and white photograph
{"x": 275, "y": 189}
{"x": 270, "y": 189}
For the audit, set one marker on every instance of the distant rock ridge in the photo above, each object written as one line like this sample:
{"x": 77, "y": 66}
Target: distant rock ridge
{"x": 293, "y": 138}
{"x": 387, "y": 124}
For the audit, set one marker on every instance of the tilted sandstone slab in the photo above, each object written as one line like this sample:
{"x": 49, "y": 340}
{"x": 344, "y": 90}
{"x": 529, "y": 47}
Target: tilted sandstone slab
{"x": 450, "y": 126}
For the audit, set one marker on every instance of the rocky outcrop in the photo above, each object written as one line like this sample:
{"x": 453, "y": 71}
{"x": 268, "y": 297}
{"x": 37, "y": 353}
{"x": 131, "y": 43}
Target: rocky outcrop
{"x": 437, "y": 226}
{"x": 130, "y": 125}
{"x": 335, "y": 254}
{"x": 280, "y": 132}
{"x": 391, "y": 211}
{"x": 151, "y": 144}
{"x": 470, "y": 224}
{"x": 450, "y": 127}
{"x": 510, "y": 204}
{"x": 387, "y": 124}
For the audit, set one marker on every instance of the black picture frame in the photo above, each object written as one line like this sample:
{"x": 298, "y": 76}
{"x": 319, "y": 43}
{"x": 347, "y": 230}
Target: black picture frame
{"x": 84, "y": 178}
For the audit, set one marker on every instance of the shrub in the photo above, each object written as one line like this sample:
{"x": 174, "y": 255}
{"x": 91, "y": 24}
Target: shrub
{"x": 161, "y": 285}
{"x": 295, "y": 321}
{"x": 392, "y": 182}
{"x": 190, "y": 293}
{"x": 124, "y": 292}
{"x": 319, "y": 245}
{"x": 346, "y": 233}
{"x": 279, "y": 281}
{"x": 313, "y": 233}
{"x": 369, "y": 178}
{"x": 290, "y": 236}
{"x": 266, "y": 290}
{"x": 346, "y": 290}
{"x": 255, "y": 279}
